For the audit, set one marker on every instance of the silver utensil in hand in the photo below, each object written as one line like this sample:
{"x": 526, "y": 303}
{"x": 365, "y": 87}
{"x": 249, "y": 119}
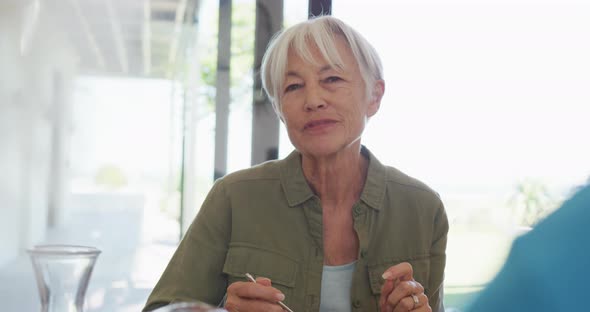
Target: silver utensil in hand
{"x": 284, "y": 306}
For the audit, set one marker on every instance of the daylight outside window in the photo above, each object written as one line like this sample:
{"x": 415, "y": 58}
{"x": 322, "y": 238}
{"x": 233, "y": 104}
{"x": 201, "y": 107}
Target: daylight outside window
{"x": 485, "y": 103}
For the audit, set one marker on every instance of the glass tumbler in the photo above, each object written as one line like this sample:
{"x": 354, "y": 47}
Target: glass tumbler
{"x": 62, "y": 273}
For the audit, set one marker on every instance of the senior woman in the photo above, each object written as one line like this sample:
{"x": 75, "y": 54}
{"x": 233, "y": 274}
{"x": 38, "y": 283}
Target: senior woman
{"x": 329, "y": 228}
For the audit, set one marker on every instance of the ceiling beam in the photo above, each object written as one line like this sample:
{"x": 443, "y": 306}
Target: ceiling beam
{"x": 89, "y": 35}
{"x": 176, "y": 36}
{"x": 164, "y": 5}
{"x": 147, "y": 37}
{"x": 117, "y": 32}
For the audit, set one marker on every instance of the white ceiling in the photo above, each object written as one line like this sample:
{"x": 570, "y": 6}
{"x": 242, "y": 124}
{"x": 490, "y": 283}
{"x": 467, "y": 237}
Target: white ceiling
{"x": 143, "y": 38}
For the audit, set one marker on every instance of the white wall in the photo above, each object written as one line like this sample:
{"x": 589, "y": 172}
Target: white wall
{"x": 32, "y": 54}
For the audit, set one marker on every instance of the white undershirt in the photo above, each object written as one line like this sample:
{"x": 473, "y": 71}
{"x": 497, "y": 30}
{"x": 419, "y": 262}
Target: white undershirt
{"x": 336, "y": 284}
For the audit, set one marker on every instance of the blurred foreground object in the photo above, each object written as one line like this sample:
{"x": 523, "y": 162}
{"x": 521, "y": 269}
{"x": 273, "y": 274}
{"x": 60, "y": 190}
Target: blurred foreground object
{"x": 547, "y": 269}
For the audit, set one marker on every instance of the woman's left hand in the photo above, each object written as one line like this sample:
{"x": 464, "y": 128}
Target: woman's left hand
{"x": 401, "y": 292}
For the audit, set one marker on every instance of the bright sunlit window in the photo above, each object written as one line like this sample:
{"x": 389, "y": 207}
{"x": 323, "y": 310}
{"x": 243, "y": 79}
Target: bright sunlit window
{"x": 485, "y": 102}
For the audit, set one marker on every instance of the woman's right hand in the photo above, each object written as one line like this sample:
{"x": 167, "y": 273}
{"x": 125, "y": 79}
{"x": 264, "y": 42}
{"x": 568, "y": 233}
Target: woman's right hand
{"x": 255, "y": 297}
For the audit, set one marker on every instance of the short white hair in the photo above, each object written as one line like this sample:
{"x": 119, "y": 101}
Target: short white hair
{"x": 317, "y": 32}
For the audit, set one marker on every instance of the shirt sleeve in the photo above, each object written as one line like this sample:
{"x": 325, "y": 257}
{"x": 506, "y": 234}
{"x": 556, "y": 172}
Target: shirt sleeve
{"x": 195, "y": 271}
{"x": 438, "y": 259}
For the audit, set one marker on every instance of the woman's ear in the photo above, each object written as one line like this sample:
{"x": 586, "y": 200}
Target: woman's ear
{"x": 376, "y": 96}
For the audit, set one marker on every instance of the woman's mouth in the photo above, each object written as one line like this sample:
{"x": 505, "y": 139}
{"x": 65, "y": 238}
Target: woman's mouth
{"x": 319, "y": 124}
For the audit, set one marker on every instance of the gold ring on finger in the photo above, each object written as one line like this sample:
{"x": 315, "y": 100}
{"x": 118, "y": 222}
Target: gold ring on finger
{"x": 416, "y": 301}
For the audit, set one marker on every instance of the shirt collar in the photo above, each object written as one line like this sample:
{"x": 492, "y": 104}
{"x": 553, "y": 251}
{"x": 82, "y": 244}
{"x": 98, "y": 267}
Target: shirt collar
{"x": 374, "y": 190}
{"x": 298, "y": 191}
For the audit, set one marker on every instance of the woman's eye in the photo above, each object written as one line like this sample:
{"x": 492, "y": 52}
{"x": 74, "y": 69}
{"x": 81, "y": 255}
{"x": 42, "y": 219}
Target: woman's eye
{"x": 292, "y": 87}
{"x": 332, "y": 79}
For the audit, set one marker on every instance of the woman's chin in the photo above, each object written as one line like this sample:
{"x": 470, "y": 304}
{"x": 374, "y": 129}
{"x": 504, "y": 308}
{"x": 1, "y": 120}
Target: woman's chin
{"x": 322, "y": 149}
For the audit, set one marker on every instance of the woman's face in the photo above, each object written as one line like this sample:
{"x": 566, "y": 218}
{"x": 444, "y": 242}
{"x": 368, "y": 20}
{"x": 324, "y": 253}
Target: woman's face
{"x": 325, "y": 108}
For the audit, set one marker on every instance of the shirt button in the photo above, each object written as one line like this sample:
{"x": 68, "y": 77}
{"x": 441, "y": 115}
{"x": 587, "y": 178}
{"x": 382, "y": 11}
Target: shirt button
{"x": 363, "y": 254}
{"x": 357, "y": 209}
{"x": 356, "y": 303}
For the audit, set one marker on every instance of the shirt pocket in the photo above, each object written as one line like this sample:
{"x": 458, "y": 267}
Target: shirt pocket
{"x": 420, "y": 266}
{"x": 245, "y": 258}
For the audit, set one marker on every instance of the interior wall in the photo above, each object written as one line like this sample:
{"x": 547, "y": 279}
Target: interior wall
{"x": 32, "y": 52}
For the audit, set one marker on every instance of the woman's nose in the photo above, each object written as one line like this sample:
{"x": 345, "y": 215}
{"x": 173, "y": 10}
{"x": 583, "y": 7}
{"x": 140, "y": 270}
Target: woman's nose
{"x": 314, "y": 99}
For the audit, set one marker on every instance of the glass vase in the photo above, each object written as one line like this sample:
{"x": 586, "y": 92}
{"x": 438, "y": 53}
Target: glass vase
{"x": 62, "y": 273}
{"x": 190, "y": 307}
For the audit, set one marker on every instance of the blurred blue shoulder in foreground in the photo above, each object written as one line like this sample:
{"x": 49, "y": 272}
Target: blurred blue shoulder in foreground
{"x": 548, "y": 269}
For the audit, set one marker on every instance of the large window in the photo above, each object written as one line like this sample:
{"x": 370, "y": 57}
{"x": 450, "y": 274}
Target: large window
{"x": 486, "y": 102}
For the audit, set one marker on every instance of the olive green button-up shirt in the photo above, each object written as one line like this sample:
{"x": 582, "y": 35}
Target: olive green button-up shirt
{"x": 267, "y": 221}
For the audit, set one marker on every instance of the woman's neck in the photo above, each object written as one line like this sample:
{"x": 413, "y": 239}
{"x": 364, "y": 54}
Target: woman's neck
{"x": 336, "y": 178}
